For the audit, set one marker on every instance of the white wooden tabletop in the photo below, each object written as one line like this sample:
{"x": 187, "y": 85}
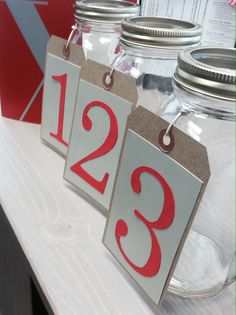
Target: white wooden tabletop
{"x": 60, "y": 233}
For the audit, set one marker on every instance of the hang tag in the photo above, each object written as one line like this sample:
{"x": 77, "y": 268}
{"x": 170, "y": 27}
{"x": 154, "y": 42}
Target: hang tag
{"x": 61, "y": 81}
{"x": 98, "y": 128}
{"x": 154, "y": 201}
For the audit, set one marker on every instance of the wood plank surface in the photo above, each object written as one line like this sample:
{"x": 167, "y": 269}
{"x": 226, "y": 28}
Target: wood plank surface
{"x": 60, "y": 234}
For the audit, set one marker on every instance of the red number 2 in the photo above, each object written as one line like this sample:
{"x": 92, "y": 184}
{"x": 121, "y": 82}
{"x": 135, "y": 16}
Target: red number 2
{"x": 62, "y": 79}
{"x": 107, "y": 146}
{"x": 151, "y": 268}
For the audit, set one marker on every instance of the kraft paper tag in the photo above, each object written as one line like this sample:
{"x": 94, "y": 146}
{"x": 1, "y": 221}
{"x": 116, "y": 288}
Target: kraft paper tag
{"x": 98, "y": 129}
{"x": 62, "y": 74}
{"x": 154, "y": 201}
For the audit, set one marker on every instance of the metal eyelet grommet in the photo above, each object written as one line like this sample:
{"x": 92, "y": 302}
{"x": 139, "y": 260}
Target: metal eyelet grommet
{"x": 108, "y": 81}
{"x": 166, "y": 148}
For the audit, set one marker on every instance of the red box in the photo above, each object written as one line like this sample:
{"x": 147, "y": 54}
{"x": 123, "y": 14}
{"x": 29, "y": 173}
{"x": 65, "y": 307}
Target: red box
{"x": 25, "y": 29}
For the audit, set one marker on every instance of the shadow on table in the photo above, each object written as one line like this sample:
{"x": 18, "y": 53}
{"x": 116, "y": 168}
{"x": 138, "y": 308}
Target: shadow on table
{"x": 87, "y": 198}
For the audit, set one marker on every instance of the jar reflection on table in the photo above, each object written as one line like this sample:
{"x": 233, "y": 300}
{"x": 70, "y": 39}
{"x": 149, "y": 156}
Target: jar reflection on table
{"x": 204, "y": 84}
{"x": 99, "y": 27}
{"x": 150, "y": 47}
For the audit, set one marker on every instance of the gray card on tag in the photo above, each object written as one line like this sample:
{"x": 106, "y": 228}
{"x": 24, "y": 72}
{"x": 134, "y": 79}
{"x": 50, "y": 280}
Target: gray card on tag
{"x": 155, "y": 198}
{"x": 59, "y": 94}
{"x": 98, "y": 130}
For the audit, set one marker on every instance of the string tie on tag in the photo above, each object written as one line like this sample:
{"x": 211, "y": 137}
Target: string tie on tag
{"x": 66, "y": 48}
{"x": 168, "y": 134}
{"x": 108, "y": 78}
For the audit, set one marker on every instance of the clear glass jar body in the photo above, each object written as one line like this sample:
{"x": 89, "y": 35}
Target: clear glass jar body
{"x": 207, "y": 262}
{"x": 100, "y": 40}
{"x": 152, "y": 68}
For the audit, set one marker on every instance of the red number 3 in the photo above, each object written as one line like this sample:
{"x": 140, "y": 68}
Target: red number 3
{"x": 151, "y": 268}
{"x": 107, "y": 146}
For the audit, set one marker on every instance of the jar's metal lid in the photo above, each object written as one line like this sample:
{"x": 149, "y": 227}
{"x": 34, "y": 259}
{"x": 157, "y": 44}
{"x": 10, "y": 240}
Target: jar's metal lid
{"x": 209, "y": 71}
{"x": 160, "y": 32}
{"x": 105, "y": 11}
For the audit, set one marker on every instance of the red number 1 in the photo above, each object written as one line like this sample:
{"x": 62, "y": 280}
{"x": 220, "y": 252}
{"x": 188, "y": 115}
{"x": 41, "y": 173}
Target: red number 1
{"x": 62, "y": 79}
{"x": 151, "y": 268}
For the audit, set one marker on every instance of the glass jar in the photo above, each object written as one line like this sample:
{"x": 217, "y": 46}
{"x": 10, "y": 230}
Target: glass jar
{"x": 99, "y": 26}
{"x": 149, "y": 51}
{"x": 204, "y": 84}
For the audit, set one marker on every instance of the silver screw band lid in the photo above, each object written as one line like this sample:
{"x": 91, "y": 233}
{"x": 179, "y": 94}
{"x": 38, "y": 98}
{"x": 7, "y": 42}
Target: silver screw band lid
{"x": 160, "y": 32}
{"x": 209, "y": 71}
{"x": 109, "y": 11}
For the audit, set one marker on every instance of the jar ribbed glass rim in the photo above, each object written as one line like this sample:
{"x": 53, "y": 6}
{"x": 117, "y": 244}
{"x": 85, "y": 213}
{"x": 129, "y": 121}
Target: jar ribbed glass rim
{"x": 160, "y": 31}
{"x": 105, "y": 10}
{"x": 208, "y": 70}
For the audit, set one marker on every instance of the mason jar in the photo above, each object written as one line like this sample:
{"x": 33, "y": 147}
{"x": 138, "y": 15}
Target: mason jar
{"x": 204, "y": 85}
{"x": 149, "y": 51}
{"x": 98, "y": 27}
